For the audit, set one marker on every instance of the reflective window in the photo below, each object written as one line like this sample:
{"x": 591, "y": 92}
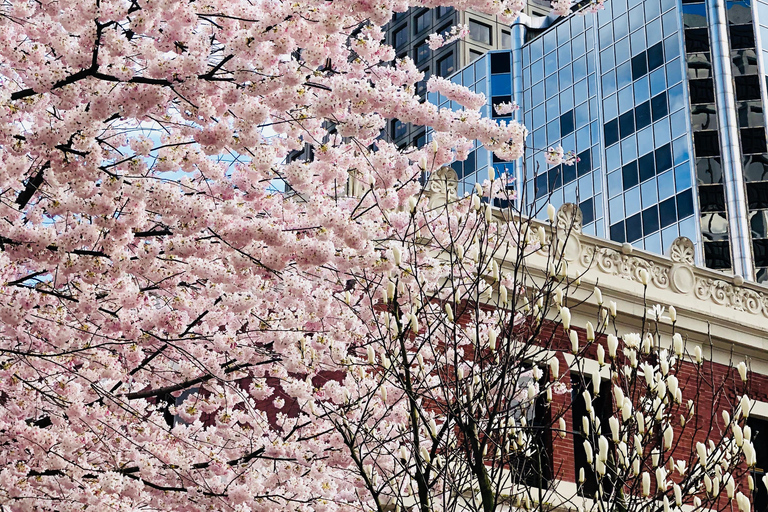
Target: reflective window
{"x": 694, "y": 15}
{"x": 629, "y": 175}
{"x": 659, "y": 106}
{"x": 479, "y": 32}
{"x": 756, "y": 167}
{"x": 709, "y": 170}
{"x": 696, "y": 40}
{"x": 422, "y": 21}
{"x": 714, "y": 226}
{"x": 704, "y": 117}
{"x": 742, "y": 36}
{"x": 623, "y": 50}
{"x": 648, "y": 195}
{"x": 706, "y": 143}
{"x": 667, "y": 212}
{"x": 400, "y": 37}
{"x": 421, "y": 54}
{"x": 744, "y": 62}
{"x": 446, "y": 65}
{"x": 750, "y": 114}
{"x": 666, "y": 183}
{"x": 506, "y": 39}
{"x": 643, "y": 115}
{"x": 650, "y": 220}
{"x": 699, "y": 65}
{"x": 658, "y": 81}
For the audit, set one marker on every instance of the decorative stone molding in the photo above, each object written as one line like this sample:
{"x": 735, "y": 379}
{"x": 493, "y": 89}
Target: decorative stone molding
{"x": 682, "y": 251}
{"x": 681, "y": 275}
{"x": 442, "y": 187}
{"x": 611, "y": 261}
{"x": 569, "y": 219}
{"x": 568, "y": 223}
{"x": 677, "y": 273}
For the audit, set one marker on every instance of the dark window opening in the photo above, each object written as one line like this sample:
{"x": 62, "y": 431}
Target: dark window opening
{"x": 684, "y": 204}
{"x": 663, "y": 158}
{"x": 500, "y": 62}
{"x": 566, "y": 123}
{"x": 650, "y": 220}
{"x": 702, "y": 90}
{"x": 655, "y": 56}
{"x": 584, "y": 165}
{"x": 617, "y": 232}
{"x": 712, "y": 198}
{"x": 643, "y": 115}
{"x": 659, "y": 106}
{"x": 717, "y": 255}
{"x": 639, "y": 66}
{"x": 747, "y": 87}
{"x": 627, "y": 124}
{"x": 629, "y": 175}
{"x": 696, "y": 40}
{"x": 611, "y": 129}
{"x": 646, "y": 167}
{"x": 706, "y": 143}
{"x": 757, "y": 195}
{"x": 634, "y": 228}
{"x": 753, "y": 140}
{"x": 742, "y": 36}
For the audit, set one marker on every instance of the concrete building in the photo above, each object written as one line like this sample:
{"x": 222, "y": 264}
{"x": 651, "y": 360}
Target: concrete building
{"x": 663, "y": 103}
{"x": 407, "y": 34}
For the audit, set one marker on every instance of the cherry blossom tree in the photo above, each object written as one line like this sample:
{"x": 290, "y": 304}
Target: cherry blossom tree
{"x": 175, "y": 334}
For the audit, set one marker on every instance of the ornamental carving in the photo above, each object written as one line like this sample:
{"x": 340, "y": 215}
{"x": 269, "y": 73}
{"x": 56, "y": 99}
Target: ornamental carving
{"x": 682, "y": 251}
{"x": 442, "y": 187}
{"x": 569, "y": 219}
{"x": 615, "y": 263}
{"x": 679, "y": 275}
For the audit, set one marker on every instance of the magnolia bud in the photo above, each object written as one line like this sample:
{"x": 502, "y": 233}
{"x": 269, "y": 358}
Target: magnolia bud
{"x": 398, "y": 255}
{"x": 672, "y": 314}
{"x": 590, "y": 332}
{"x": 384, "y": 394}
{"x": 600, "y": 355}
{"x": 554, "y": 367}
{"x": 475, "y": 202}
{"x": 503, "y": 294}
{"x": 492, "y": 339}
{"x": 558, "y": 296}
{"x": 449, "y": 312}
{"x": 613, "y": 422}
{"x": 371, "y": 355}
{"x": 612, "y": 308}
{"x": 588, "y": 451}
{"x": 598, "y": 296}
{"x": 697, "y": 354}
{"x": 551, "y": 212}
{"x": 574, "y": 336}
{"x": 613, "y": 344}
{"x": 742, "y": 368}
{"x": 561, "y": 427}
{"x": 643, "y": 275}
{"x": 646, "y": 484}
{"x": 677, "y": 344}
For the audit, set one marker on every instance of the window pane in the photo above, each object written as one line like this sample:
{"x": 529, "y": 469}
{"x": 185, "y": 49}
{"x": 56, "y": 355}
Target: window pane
{"x": 479, "y": 32}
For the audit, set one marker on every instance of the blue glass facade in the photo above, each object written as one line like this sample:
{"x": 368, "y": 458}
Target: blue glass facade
{"x": 610, "y": 88}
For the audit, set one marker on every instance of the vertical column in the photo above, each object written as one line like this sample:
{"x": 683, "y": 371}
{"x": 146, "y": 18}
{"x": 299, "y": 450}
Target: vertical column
{"x": 518, "y": 40}
{"x": 733, "y": 176}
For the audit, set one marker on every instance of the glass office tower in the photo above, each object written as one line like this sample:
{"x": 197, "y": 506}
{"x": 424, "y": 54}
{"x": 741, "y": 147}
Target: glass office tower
{"x": 662, "y": 100}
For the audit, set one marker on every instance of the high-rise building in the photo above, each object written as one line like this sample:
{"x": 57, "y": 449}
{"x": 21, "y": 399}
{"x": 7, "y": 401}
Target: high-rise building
{"x": 662, "y": 101}
{"x": 408, "y": 31}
